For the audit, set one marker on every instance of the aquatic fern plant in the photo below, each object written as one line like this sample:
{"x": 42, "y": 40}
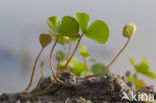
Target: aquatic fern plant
{"x": 73, "y": 29}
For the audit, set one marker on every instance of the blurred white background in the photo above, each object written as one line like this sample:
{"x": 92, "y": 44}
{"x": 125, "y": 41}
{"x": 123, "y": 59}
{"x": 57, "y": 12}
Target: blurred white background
{"x": 21, "y": 22}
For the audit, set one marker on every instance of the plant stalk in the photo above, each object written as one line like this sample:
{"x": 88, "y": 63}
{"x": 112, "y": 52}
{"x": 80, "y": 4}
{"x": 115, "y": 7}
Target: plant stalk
{"x": 98, "y": 74}
{"x": 58, "y": 64}
{"x": 44, "y": 90}
{"x": 37, "y": 86}
{"x": 51, "y": 55}
{"x": 34, "y": 67}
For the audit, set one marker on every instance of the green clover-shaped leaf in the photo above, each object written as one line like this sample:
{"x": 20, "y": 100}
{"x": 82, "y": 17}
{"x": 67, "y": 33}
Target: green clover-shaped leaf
{"x": 98, "y": 31}
{"x": 83, "y": 20}
{"x": 69, "y": 27}
{"x": 45, "y": 39}
{"x": 54, "y": 23}
{"x": 79, "y": 68}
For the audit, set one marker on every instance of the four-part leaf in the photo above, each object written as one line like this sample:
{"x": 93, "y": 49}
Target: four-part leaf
{"x": 98, "y": 30}
{"x": 67, "y": 30}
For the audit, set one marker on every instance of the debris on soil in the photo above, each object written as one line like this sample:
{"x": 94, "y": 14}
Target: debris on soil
{"x": 75, "y": 90}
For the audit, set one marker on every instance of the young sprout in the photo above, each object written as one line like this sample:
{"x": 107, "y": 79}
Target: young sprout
{"x": 44, "y": 39}
{"x": 128, "y": 32}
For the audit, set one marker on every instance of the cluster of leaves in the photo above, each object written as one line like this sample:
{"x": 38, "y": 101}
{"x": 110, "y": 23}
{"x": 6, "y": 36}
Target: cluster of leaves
{"x": 141, "y": 68}
{"x": 78, "y": 68}
{"x": 68, "y": 29}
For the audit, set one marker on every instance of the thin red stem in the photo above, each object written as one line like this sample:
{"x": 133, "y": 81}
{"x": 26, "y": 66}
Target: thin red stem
{"x": 44, "y": 90}
{"x": 98, "y": 74}
{"x": 34, "y": 67}
{"x": 77, "y": 45}
{"x": 37, "y": 86}
{"x": 51, "y": 55}
{"x": 58, "y": 64}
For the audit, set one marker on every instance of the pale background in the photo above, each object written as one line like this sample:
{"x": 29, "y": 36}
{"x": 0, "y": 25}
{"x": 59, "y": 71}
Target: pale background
{"x": 21, "y": 22}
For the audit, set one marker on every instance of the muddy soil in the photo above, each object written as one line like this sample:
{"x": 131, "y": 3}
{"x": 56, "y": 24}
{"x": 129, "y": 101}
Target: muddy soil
{"x": 105, "y": 89}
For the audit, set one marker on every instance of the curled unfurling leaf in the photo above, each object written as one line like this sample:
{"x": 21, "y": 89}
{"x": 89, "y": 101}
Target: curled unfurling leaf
{"x": 129, "y": 30}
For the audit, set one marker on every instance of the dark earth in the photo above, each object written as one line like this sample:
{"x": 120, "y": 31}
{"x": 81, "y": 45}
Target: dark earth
{"x": 105, "y": 89}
